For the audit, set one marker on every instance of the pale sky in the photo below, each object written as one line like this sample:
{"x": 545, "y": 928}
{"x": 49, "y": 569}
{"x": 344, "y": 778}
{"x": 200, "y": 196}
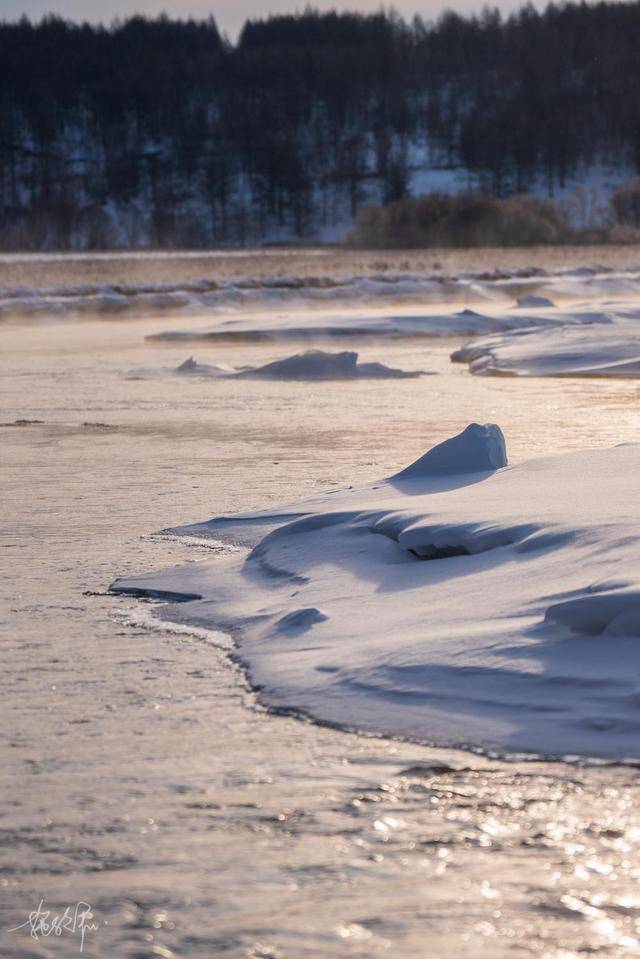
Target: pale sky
{"x": 229, "y": 14}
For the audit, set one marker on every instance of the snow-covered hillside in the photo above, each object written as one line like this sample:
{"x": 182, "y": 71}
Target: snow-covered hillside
{"x": 160, "y": 133}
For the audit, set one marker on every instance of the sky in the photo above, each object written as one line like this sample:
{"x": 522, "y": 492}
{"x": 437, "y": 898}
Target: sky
{"x": 229, "y": 14}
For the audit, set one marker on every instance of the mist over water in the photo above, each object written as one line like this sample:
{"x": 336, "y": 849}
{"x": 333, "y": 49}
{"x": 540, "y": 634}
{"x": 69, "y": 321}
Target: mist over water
{"x": 140, "y": 772}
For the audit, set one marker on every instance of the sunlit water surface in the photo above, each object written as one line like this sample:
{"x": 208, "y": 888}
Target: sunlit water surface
{"x": 140, "y": 773}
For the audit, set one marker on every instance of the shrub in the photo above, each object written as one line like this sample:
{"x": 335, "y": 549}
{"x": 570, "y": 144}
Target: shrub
{"x": 465, "y": 219}
{"x": 623, "y": 233}
{"x": 626, "y": 203}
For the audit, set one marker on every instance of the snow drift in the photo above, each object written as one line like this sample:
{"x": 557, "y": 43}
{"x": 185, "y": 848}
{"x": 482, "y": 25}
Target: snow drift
{"x": 462, "y": 601}
{"x": 318, "y": 365}
{"x": 320, "y": 326}
{"x": 310, "y": 365}
{"x": 552, "y": 341}
{"x": 597, "y": 337}
{"x": 605, "y": 344}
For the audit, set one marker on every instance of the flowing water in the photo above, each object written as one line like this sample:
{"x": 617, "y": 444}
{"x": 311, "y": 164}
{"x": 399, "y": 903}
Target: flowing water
{"x": 139, "y": 772}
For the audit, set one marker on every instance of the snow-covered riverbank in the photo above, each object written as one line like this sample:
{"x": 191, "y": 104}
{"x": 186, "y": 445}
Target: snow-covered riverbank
{"x": 432, "y": 281}
{"x": 140, "y": 772}
{"x": 519, "y": 632}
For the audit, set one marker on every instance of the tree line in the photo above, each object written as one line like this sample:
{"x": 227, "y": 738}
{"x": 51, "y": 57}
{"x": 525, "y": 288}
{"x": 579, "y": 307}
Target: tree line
{"x": 160, "y": 132}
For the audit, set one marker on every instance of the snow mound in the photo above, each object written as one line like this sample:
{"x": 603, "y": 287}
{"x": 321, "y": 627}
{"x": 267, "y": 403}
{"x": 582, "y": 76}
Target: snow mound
{"x": 476, "y": 449}
{"x": 188, "y": 366}
{"x": 497, "y": 609}
{"x": 530, "y": 299}
{"x": 310, "y": 365}
{"x": 611, "y": 613}
{"x": 318, "y": 365}
{"x": 300, "y": 621}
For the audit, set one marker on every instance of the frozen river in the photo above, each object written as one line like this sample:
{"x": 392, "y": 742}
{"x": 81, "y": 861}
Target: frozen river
{"x": 140, "y": 773}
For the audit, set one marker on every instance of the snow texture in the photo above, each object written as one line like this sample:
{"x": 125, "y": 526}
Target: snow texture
{"x": 590, "y": 328}
{"x": 462, "y": 601}
{"x": 598, "y": 344}
{"x": 476, "y": 449}
{"x": 319, "y": 365}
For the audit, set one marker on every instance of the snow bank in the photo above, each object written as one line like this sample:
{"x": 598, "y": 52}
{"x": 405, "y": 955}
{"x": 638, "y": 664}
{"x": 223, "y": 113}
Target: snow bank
{"x": 532, "y": 336}
{"x": 463, "y": 601}
{"x": 605, "y": 344}
{"x": 600, "y": 340}
{"x": 210, "y": 298}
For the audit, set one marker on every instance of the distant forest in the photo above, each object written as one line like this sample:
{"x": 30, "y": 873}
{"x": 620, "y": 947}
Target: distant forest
{"x": 163, "y": 133}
